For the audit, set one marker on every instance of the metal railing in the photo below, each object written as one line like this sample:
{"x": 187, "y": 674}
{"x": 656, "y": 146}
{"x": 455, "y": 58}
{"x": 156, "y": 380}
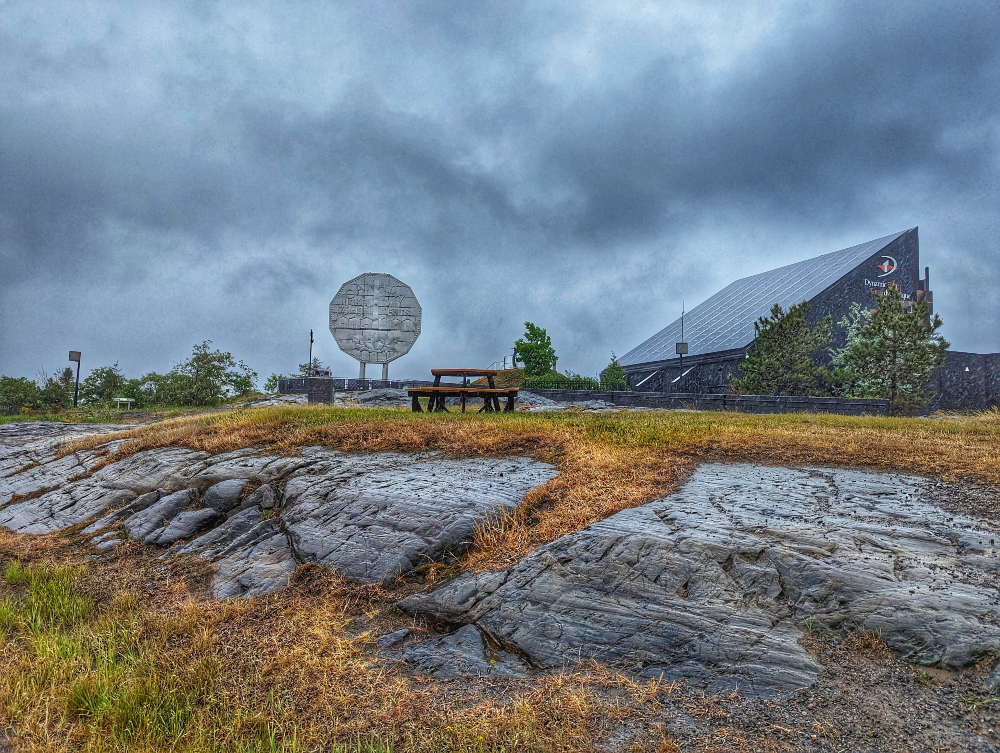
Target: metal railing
{"x": 300, "y": 385}
{"x": 575, "y": 383}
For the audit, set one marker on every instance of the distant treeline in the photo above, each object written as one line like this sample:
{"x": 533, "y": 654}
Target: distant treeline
{"x": 207, "y": 377}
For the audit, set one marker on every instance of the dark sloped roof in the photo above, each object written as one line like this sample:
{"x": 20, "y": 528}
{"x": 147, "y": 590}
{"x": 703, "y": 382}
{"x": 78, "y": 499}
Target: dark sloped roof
{"x": 725, "y": 321}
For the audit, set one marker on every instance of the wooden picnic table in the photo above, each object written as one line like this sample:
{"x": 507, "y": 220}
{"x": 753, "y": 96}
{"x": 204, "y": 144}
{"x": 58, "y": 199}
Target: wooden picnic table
{"x": 490, "y": 395}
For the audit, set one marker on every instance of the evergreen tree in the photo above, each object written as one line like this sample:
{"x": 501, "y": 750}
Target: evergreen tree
{"x": 845, "y": 381}
{"x": 317, "y": 365}
{"x": 893, "y": 355}
{"x": 535, "y": 351}
{"x": 781, "y": 360}
{"x": 614, "y": 376}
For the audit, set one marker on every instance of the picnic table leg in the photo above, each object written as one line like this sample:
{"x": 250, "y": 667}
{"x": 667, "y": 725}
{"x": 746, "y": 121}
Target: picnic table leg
{"x": 489, "y": 378}
{"x": 416, "y": 405}
{"x": 496, "y": 403}
{"x": 463, "y": 402}
{"x": 511, "y": 398}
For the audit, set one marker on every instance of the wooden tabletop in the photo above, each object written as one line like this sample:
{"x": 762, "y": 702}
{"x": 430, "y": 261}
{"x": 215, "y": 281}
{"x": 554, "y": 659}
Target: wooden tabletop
{"x": 464, "y": 372}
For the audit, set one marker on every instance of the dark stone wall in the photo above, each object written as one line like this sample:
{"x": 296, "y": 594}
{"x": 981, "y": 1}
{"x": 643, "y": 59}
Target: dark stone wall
{"x": 739, "y": 403}
{"x": 966, "y": 381}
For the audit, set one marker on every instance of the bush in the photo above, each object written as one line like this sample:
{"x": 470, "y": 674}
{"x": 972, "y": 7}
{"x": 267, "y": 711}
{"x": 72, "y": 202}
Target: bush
{"x": 103, "y": 384}
{"x": 271, "y": 385}
{"x": 614, "y": 376}
{"x": 18, "y": 393}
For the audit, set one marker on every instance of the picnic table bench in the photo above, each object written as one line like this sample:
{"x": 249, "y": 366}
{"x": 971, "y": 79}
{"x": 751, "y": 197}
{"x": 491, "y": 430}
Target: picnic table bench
{"x": 491, "y": 395}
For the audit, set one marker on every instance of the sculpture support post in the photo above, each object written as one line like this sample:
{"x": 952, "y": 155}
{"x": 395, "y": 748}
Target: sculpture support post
{"x": 362, "y": 374}
{"x": 385, "y": 371}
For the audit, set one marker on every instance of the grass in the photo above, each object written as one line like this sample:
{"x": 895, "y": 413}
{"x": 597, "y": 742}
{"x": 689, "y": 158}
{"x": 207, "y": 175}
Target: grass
{"x": 86, "y": 664}
{"x": 284, "y": 673}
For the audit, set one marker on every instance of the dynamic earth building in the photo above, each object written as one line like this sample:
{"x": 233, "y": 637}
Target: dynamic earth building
{"x": 719, "y": 331}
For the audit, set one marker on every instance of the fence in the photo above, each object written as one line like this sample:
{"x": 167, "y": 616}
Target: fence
{"x": 300, "y": 385}
{"x": 574, "y": 383}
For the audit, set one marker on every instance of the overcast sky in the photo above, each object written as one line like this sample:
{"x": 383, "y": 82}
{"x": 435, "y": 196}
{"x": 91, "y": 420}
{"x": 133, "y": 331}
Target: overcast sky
{"x": 176, "y": 172}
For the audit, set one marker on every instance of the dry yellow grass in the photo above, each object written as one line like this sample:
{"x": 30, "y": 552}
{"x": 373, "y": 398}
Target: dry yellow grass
{"x": 151, "y": 668}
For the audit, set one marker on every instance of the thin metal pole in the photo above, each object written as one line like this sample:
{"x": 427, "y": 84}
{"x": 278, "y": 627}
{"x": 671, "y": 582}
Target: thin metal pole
{"x": 309, "y": 370}
{"x": 76, "y": 390}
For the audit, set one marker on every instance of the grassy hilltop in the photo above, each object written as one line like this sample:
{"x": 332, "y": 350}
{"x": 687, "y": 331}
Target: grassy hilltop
{"x": 124, "y": 652}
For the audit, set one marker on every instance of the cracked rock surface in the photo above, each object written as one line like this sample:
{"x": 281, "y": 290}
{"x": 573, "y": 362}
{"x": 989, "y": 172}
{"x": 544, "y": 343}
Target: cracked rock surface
{"x": 461, "y": 654}
{"x": 370, "y": 517}
{"x": 374, "y": 517}
{"x": 718, "y": 581}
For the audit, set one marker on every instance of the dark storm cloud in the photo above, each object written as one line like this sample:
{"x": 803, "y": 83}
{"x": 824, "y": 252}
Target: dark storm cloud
{"x": 172, "y": 173}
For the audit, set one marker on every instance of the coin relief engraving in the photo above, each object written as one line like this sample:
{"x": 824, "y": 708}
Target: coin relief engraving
{"x": 375, "y": 318}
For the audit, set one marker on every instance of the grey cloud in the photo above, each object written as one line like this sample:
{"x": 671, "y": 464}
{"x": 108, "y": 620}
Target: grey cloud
{"x": 200, "y": 173}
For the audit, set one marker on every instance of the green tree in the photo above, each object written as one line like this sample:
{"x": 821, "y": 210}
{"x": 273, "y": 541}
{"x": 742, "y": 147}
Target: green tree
{"x": 271, "y": 385}
{"x": 213, "y": 375}
{"x": 54, "y": 395}
{"x": 17, "y": 393}
{"x": 892, "y": 356}
{"x": 782, "y": 358}
{"x": 535, "y": 351}
{"x": 843, "y": 380}
{"x": 102, "y": 384}
{"x": 614, "y": 376}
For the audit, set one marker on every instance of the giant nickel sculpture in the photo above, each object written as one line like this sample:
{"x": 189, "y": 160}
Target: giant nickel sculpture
{"x": 375, "y": 318}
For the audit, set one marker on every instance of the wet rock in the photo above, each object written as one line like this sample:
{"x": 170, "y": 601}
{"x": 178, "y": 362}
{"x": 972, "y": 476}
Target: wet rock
{"x": 146, "y": 525}
{"x": 992, "y": 682}
{"x": 185, "y": 525}
{"x": 251, "y": 555}
{"x": 112, "y": 486}
{"x": 28, "y": 450}
{"x": 262, "y": 564}
{"x": 139, "y": 503}
{"x": 714, "y": 582}
{"x": 374, "y": 517}
{"x": 531, "y": 399}
{"x": 382, "y": 398}
{"x": 391, "y": 639}
{"x": 462, "y": 654}
{"x": 263, "y": 498}
{"x": 225, "y": 495}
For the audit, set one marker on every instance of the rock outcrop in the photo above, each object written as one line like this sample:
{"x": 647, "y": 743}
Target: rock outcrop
{"x": 370, "y": 517}
{"x": 717, "y": 582}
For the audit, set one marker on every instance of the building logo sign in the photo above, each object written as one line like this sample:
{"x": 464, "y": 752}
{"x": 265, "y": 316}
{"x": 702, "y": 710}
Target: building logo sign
{"x": 888, "y": 266}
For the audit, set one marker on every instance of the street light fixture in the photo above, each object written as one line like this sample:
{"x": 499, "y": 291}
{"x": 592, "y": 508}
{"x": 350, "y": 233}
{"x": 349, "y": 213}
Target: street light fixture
{"x": 74, "y": 355}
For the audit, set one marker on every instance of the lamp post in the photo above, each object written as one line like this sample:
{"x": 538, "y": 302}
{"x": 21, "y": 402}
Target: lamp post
{"x": 681, "y": 348}
{"x": 74, "y": 355}
{"x": 309, "y": 368}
